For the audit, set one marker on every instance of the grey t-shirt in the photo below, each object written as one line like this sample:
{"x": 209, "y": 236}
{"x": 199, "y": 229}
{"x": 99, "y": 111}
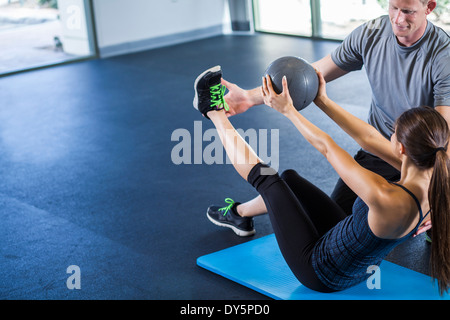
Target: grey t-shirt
{"x": 401, "y": 77}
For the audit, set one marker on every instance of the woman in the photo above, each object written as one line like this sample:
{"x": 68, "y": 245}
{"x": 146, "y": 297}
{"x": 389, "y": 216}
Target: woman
{"x": 325, "y": 249}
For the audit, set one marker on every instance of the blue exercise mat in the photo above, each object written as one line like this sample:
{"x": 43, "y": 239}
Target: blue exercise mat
{"x": 259, "y": 265}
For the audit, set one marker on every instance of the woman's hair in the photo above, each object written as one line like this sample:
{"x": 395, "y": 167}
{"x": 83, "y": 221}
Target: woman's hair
{"x": 425, "y": 135}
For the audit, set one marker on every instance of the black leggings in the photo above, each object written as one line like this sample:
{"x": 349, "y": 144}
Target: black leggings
{"x": 300, "y": 214}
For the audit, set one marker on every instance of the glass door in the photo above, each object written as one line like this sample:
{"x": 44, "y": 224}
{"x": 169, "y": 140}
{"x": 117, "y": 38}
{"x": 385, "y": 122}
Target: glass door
{"x": 283, "y": 16}
{"x": 339, "y": 18}
{"x": 329, "y": 19}
{"x": 38, "y": 33}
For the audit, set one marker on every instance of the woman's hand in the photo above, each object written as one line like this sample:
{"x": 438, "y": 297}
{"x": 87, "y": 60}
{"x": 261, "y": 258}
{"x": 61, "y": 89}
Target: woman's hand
{"x": 322, "y": 92}
{"x": 281, "y": 102}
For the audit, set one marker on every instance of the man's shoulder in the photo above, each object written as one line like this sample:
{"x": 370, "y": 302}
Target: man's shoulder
{"x": 438, "y": 33}
{"x": 380, "y": 26}
{"x": 375, "y": 31}
{"x": 439, "y": 38}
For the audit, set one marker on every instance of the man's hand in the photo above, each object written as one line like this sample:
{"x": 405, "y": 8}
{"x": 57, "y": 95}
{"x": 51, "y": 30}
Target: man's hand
{"x": 240, "y": 100}
{"x": 424, "y": 227}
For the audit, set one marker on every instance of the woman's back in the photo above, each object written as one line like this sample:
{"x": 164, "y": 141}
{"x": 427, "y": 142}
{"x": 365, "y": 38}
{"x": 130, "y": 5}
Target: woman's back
{"x": 342, "y": 256}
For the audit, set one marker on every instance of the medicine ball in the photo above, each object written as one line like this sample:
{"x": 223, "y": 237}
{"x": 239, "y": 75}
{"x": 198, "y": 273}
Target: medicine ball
{"x": 302, "y": 79}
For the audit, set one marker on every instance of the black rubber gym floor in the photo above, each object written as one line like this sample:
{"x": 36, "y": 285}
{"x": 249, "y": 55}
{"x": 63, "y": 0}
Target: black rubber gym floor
{"x": 88, "y": 175}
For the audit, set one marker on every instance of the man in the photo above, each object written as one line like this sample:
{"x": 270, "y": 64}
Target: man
{"x": 407, "y": 60}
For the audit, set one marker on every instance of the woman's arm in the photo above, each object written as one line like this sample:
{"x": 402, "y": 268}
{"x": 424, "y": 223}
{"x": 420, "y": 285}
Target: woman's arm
{"x": 363, "y": 182}
{"x": 363, "y": 133}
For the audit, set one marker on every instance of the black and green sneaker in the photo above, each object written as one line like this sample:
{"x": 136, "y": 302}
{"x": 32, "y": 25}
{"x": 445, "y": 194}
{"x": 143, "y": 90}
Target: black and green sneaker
{"x": 209, "y": 91}
{"x": 228, "y": 217}
{"x": 428, "y": 235}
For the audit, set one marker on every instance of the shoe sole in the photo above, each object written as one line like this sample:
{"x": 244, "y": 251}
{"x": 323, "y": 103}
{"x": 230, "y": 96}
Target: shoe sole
{"x": 239, "y": 232}
{"x": 213, "y": 69}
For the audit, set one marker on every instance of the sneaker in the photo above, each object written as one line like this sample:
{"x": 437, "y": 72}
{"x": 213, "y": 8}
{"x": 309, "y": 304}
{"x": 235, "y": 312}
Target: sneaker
{"x": 428, "y": 235}
{"x": 228, "y": 217}
{"x": 209, "y": 91}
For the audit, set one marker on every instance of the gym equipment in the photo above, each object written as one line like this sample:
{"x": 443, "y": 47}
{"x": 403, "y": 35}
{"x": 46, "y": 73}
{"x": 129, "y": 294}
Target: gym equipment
{"x": 259, "y": 265}
{"x": 302, "y": 79}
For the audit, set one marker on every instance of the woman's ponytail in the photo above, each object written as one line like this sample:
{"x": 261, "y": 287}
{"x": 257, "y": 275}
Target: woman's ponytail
{"x": 439, "y": 199}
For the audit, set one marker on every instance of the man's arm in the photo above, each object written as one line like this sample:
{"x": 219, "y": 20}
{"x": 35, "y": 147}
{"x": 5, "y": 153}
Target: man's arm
{"x": 445, "y": 112}
{"x": 240, "y": 100}
{"x": 328, "y": 68}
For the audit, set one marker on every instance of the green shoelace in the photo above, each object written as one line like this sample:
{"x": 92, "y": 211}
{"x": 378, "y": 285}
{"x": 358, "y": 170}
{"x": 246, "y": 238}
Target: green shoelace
{"x": 217, "y": 98}
{"x": 227, "y": 208}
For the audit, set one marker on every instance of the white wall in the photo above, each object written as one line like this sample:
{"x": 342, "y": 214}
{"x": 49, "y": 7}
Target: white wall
{"x": 130, "y": 25}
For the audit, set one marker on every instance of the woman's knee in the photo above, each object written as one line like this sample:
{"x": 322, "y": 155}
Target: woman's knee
{"x": 262, "y": 176}
{"x": 288, "y": 174}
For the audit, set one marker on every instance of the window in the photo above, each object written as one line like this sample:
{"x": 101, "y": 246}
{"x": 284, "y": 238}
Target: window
{"x": 37, "y": 33}
{"x": 330, "y": 19}
{"x": 441, "y": 15}
{"x": 283, "y": 16}
{"x": 339, "y": 18}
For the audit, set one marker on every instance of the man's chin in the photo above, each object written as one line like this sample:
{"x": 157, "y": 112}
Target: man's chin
{"x": 401, "y": 32}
